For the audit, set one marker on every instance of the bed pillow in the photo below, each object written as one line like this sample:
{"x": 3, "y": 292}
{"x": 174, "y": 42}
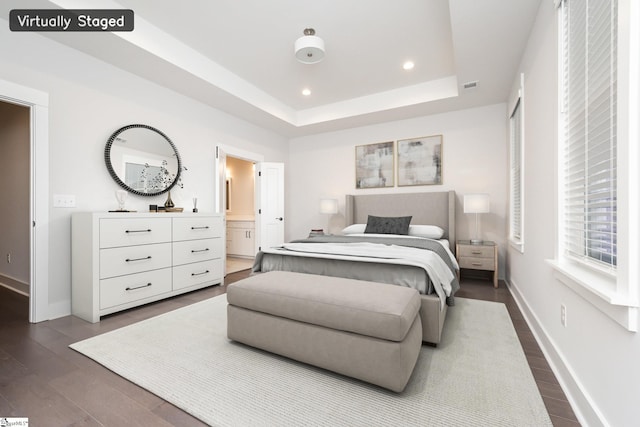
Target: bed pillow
{"x": 354, "y": 229}
{"x": 428, "y": 231}
{"x": 388, "y": 225}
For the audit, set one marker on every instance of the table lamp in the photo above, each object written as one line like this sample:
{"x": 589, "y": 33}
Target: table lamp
{"x": 476, "y": 204}
{"x": 328, "y": 207}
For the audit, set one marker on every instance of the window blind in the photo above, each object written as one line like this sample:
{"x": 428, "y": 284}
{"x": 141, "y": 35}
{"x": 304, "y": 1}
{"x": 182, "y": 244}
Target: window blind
{"x": 590, "y": 106}
{"x": 516, "y": 174}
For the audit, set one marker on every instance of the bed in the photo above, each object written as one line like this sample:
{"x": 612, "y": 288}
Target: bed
{"x": 426, "y": 264}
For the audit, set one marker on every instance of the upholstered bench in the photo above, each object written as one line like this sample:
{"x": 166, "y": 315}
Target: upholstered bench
{"x": 365, "y": 330}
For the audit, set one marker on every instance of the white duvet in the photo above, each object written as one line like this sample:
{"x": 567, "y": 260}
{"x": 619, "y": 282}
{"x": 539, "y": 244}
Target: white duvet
{"x": 437, "y": 270}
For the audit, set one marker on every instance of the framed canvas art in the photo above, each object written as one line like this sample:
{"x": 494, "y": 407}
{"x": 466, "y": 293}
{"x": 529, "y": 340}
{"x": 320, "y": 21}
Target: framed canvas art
{"x": 375, "y": 165}
{"x": 420, "y": 161}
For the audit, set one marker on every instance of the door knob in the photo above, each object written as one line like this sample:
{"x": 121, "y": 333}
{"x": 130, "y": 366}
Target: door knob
{"x": 279, "y": 218}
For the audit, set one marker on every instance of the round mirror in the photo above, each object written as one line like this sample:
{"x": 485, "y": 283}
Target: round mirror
{"x": 142, "y": 160}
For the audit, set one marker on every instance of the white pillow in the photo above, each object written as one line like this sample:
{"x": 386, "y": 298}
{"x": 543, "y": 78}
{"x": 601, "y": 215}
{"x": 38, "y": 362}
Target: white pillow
{"x": 429, "y": 231}
{"x": 354, "y": 229}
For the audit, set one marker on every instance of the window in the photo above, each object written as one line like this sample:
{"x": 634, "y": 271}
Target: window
{"x": 589, "y": 67}
{"x": 516, "y": 181}
{"x": 599, "y": 156}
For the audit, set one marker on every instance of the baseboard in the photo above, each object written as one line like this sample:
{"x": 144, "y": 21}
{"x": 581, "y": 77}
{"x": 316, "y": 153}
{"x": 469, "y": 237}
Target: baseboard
{"x": 583, "y": 405}
{"x": 15, "y": 285}
{"x": 60, "y": 309}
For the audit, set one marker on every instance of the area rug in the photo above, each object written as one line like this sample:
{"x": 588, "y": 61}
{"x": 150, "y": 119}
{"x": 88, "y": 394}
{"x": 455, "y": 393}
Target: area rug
{"x": 477, "y": 376}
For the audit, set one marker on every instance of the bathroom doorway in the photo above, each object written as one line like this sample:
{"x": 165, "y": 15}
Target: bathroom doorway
{"x": 240, "y": 213}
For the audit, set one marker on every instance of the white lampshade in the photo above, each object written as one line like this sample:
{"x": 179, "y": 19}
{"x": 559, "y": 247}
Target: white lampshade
{"x": 476, "y": 203}
{"x": 328, "y": 206}
{"x": 309, "y": 48}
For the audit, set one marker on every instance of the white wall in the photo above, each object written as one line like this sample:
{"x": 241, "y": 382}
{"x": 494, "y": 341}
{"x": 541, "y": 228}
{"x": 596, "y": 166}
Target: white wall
{"x": 89, "y": 100}
{"x": 14, "y": 192}
{"x": 474, "y": 160}
{"x": 595, "y": 358}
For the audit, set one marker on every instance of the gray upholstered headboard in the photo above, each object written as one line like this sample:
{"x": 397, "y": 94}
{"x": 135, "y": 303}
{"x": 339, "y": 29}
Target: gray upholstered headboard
{"x": 436, "y": 208}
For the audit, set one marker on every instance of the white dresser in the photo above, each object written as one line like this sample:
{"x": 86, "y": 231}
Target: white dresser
{"x": 122, "y": 260}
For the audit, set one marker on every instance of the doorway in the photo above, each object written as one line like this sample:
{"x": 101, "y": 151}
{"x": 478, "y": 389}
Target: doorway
{"x": 37, "y": 103}
{"x": 15, "y": 260}
{"x": 240, "y": 213}
{"x": 268, "y": 201}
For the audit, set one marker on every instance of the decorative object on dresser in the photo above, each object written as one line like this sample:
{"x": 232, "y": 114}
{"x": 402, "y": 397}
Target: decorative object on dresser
{"x": 474, "y": 256}
{"x": 125, "y": 260}
{"x": 121, "y": 196}
{"x": 476, "y": 204}
{"x": 420, "y": 161}
{"x": 143, "y": 160}
{"x": 168, "y": 204}
{"x": 374, "y": 165}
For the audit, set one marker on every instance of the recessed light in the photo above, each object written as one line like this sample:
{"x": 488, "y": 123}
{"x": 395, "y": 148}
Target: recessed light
{"x": 306, "y": 92}
{"x": 408, "y": 65}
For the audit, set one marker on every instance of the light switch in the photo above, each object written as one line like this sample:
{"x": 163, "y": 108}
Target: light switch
{"x": 64, "y": 201}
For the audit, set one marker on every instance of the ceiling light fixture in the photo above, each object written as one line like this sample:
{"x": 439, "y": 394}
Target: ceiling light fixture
{"x": 306, "y": 92}
{"x": 408, "y": 65}
{"x": 309, "y": 48}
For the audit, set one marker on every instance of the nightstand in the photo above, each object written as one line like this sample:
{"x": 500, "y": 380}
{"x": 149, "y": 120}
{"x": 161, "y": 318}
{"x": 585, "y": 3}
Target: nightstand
{"x": 482, "y": 256}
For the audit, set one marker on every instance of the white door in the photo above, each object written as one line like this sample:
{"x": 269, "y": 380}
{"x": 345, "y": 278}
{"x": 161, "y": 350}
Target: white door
{"x": 270, "y": 208}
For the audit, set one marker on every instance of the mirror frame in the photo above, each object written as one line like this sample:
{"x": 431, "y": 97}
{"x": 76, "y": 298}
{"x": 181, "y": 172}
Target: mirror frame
{"x": 116, "y": 178}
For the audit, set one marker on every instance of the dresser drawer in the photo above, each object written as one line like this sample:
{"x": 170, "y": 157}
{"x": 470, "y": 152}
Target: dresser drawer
{"x": 115, "y": 232}
{"x": 126, "y": 289}
{"x": 197, "y": 273}
{"x": 134, "y": 259}
{"x": 197, "y": 228}
{"x": 477, "y": 263}
{"x": 476, "y": 251}
{"x": 189, "y": 251}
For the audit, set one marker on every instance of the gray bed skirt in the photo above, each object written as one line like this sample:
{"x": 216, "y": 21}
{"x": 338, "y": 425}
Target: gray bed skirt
{"x": 402, "y": 275}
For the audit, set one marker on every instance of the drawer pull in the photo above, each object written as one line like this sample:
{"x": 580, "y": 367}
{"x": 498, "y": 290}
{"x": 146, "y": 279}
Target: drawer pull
{"x": 476, "y": 253}
{"x": 137, "y": 259}
{"x": 148, "y": 230}
{"x": 193, "y": 251}
{"x": 200, "y": 228}
{"x": 137, "y": 287}
{"x": 200, "y": 274}
{"x": 476, "y": 264}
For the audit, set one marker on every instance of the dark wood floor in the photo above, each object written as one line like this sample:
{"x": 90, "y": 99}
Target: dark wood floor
{"x": 52, "y": 385}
